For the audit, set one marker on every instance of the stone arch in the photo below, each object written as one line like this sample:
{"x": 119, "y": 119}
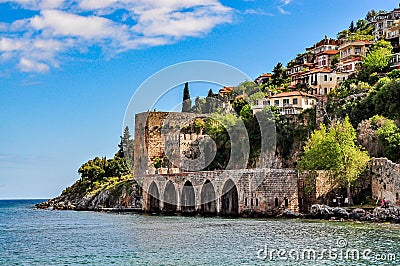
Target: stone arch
{"x": 188, "y": 203}
{"x": 229, "y": 199}
{"x": 153, "y": 198}
{"x": 170, "y": 198}
{"x": 208, "y": 198}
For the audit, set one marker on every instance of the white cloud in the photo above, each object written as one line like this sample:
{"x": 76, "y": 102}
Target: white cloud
{"x": 252, "y": 11}
{"x": 8, "y": 45}
{"x": 282, "y": 5}
{"x": 36, "y": 43}
{"x": 51, "y": 4}
{"x": 28, "y": 65}
{"x": 66, "y": 24}
{"x": 96, "y": 4}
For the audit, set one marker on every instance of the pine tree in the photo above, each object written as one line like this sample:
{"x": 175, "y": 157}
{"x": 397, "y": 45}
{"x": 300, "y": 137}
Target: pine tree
{"x": 186, "y": 103}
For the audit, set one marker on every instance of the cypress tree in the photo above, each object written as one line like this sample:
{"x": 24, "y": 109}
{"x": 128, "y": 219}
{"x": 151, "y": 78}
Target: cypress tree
{"x": 352, "y": 29}
{"x": 186, "y": 103}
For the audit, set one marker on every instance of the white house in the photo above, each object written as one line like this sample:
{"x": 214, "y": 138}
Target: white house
{"x": 293, "y": 102}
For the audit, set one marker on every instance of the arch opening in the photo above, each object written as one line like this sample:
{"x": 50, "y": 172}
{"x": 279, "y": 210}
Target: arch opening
{"x": 208, "y": 199}
{"x": 170, "y": 202}
{"x": 188, "y": 205}
{"x": 153, "y": 198}
{"x": 230, "y": 199}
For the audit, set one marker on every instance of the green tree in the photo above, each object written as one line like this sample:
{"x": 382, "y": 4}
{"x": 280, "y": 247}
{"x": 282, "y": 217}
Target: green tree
{"x": 334, "y": 61}
{"x": 371, "y": 14}
{"x": 394, "y": 74}
{"x": 335, "y": 150}
{"x": 238, "y": 104}
{"x": 187, "y": 102}
{"x": 248, "y": 87}
{"x": 389, "y": 134}
{"x": 352, "y": 29}
{"x": 377, "y": 60}
{"x": 362, "y": 24}
{"x": 278, "y": 75}
{"x": 386, "y": 100}
{"x": 343, "y": 34}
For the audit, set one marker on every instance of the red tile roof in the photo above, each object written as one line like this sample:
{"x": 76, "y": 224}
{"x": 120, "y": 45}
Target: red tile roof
{"x": 319, "y": 70}
{"x": 226, "y": 89}
{"x": 329, "y": 52}
{"x": 268, "y": 75}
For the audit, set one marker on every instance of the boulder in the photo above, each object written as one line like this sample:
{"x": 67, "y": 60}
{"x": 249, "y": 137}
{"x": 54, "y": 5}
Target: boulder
{"x": 389, "y": 214}
{"x": 358, "y": 214}
{"x": 340, "y": 213}
{"x": 321, "y": 211}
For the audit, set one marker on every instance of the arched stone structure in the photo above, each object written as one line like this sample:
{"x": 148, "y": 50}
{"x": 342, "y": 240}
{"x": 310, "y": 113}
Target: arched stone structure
{"x": 153, "y": 198}
{"x": 188, "y": 198}
{"x": 229, "y": 199}
{"x": 208, "y": 199}
{"x": 231, "y": 192}
{"x": 170, "y": 202}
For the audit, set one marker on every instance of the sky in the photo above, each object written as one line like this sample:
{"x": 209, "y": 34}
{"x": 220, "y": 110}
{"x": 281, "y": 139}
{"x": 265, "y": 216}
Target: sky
{"x": 68, "y": 69}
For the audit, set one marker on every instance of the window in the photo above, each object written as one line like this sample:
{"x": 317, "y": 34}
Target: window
{"x": 286, "y": 202}
{"x": 251, "y": 202}
{"x": 276, "y": 102}
{"x": 325, "y": 90}
{"x": 285, "y": 102}
{"x": 256, "y": 202}
{"x": 295, "y": 101}
{"x": 245, "y": 201}
{"x": 306, "y": 101}
{"x": 331, "y": 79}
{"x": 325, "y": 77}
{"x": 276, "y": 202}
{"x": 265, "y": 103}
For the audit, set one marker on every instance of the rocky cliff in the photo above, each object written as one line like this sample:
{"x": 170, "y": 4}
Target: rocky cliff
{"x": 125, "y": 195}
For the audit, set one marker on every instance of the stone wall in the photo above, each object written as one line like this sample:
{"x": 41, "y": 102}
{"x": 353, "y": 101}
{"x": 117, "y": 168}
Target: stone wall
{"x": 259, "y": 190}
{"x": 385, "y": 180}
{"x": 158, "y": 135}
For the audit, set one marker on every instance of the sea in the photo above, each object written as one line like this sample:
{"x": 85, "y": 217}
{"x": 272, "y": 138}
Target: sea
{"x": 29, "y": 236}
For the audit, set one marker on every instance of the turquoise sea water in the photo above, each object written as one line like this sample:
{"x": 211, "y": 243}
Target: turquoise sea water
{"x": 42, "y": 237}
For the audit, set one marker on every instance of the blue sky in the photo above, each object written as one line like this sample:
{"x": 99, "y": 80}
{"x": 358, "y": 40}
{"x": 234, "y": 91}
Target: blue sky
{"x": 69, "y": 68}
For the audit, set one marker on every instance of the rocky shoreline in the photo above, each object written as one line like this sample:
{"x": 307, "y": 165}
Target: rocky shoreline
{"x": 324, "y": 212}
{"x": 123, "y": 203}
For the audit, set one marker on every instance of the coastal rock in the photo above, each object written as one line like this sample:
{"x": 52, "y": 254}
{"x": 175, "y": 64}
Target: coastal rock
{"x": 389, "y": 214}
{"x": 321, "y": 211}
{"x": 360, "y": 214}
{"x": 340, "y": 213}
{"x": 125, "y": 195}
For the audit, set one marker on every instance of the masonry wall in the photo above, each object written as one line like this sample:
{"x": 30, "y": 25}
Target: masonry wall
{"x": 385, "y": 179}
{"x": 259, "y": 190}
{"x": 152, "y": 131}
